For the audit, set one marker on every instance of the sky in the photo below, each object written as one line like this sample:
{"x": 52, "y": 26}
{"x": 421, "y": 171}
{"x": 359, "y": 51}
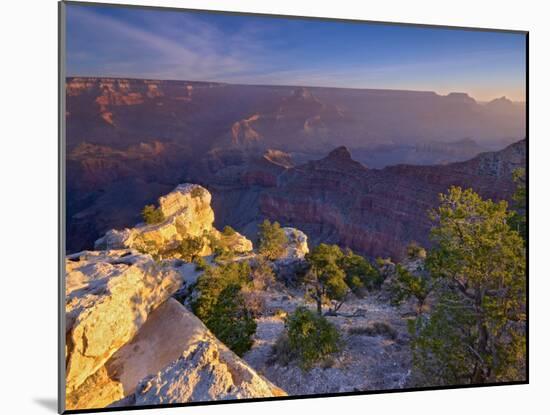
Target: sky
{"x": 248, "y": 49}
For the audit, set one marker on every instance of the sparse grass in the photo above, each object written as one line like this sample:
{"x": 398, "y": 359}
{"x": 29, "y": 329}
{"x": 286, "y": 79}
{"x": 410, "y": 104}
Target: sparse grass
{"x": 200, "y": 264}
{"x": 282, "y": 353}
{"x": 197, "y": 192}
{"x": 254, "y": 302}
{"x": 308, "y": 338}
{"x": 378, "y": 328}
{"x": 262, "y": 274}
{"x": 228, "y": 231}
{"x": 152, "y": 215}
{"x": 279, "y": 312}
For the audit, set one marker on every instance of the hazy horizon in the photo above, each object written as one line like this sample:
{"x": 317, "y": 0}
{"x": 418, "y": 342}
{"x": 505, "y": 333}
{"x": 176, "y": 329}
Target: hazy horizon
{"x": 105, "y": 41}
{"x": 479, "y": 101}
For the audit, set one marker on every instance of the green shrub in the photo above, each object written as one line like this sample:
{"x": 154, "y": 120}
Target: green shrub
{"x": 190, "y": 248}
{"x": 254, "y": 302}
{"x": 213, "y": 281}
{"x": 221, "y": 248}
{"x": 333, "y": 274}
{"x": 223, "y": 255}
{"x": 228, "y": 231}
{"x": 415, "y": 251}
{"x": 272, "y": 240}
{"x": 418, "y": 285}
{"x": 360, "y": 274}
{"x": 282, "y": 352}
{"x": 378, "y": 328}
{"x": 518, "y": 218}
{"x": 231, "y": 321}
{"x": 262, "y": 274}
{"x": 200, "y": 264}
{"x": 311, "y": 338}
{"x": 152, "y": 215}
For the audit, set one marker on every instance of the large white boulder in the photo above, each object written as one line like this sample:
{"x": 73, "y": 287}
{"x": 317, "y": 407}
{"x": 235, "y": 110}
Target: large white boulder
{"x": 297, "y": 247}
{"x": 109, "y": 295}
{"x": 176, "y": 359}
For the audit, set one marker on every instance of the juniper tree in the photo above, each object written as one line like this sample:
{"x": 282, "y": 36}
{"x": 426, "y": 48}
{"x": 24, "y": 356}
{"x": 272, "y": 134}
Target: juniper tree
{"x": 272, "y": 240}
{"x": 518, "y": 220}
{"x": 476, "y": 333}
{"x": 333, "y": 274}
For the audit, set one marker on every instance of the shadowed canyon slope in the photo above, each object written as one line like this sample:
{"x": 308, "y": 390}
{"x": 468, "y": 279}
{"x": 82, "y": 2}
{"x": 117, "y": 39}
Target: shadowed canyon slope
{"x": 339, "y": 200}
{"x": 261, "y": 150}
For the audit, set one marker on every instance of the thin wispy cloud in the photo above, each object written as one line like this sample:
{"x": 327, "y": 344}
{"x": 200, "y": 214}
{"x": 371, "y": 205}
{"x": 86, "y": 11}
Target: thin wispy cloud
{"x": 106, "y": 41}
{"x": 195, "y": 55}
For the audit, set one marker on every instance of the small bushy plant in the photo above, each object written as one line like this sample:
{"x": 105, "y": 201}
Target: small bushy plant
{"x": 378, "y": 328}
{"x": 152, "y": 215}
{"x": 231, "y": 321}
{"x": 418, "y": 285}
{"x": 415, "y": 251}
{"x": 190, "y": 248}
{"x": 262, "y": 274}
{"x": 360, "y": 274}
{"x": 228, "y": 231}
{"x": 221, "y": 248}
{"x": 310, "y": 338}
{"x": 200, "y": 264}
{"x": 272, "y": 240}
{"x": 213, "y": 281}
{"x": 333, "y": 274}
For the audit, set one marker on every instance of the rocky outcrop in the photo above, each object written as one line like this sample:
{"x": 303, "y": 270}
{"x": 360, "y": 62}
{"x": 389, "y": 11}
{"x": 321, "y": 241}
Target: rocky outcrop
{"x": 293, "y": 262}
{"x": 296, "y": 248}
{"x": 336, "y": 199}
{"x": 97, "y": 391}
{"x": 378, "y": 212}
{"x": 109, "y": 296}
{"x": 123, "y": 330}
{"x": 107, "y": 185}
{"x": 188, "y": 213}
{"x": 176, "y": 359}
{"x": 203, "y": 373}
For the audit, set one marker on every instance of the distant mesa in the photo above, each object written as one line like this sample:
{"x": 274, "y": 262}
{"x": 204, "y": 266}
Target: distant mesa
{"x": 340, "y": 153}
{"x": 502, "y": 99}
{"x": 461, "y": 97}
{"x": 500, "y": 104}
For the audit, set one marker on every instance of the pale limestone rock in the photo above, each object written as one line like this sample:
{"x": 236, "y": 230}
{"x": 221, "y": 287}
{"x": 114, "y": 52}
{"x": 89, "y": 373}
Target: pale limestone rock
{"x": 190, "y": 198}
{"x": 187, "y": 213}
{"x": 170, "y": 332}
{"x": 297, "y": 247}
{"x": 97, "y": 391}
{"x": 293, "y": 262}
{"x": 237, "y": 242}
{"x": 116, "y": 239}
{"x": 109, "y": 295}
{"x": 175, "y": 359}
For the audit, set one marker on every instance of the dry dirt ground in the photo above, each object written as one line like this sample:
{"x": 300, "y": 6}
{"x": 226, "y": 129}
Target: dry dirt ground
{"x": 365, "y": 362}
